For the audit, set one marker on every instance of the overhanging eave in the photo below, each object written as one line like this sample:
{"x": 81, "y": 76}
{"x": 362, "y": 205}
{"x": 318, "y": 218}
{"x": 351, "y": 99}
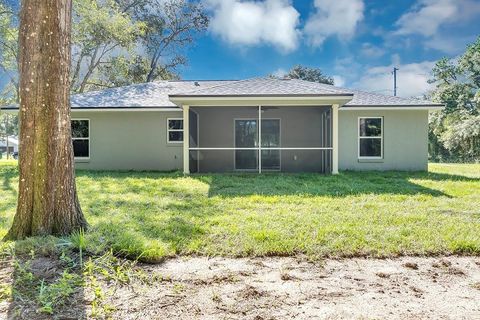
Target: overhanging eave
{"x": 225, "y": 101}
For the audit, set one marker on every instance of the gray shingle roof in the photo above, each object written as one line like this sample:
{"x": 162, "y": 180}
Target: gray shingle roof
{"x": 150, "y": 94}
{"x": 158, "y": 93}
{"x": 266, "y": 87}
{"x": 362, "y": 99}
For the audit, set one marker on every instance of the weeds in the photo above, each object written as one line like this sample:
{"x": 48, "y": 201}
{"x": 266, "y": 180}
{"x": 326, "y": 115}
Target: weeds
{"x": 56, "y": 294}
{"x": 79, "y": 242}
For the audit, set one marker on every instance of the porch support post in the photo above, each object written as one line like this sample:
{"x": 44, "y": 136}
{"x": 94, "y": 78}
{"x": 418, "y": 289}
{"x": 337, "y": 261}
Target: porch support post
{"x": 186, "y": 139}
{"x": 259, "y": 139}
{"x": 335, "y": 138}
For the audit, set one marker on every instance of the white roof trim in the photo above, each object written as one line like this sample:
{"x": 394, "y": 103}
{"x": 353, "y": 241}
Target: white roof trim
{"x": 112, "y": 109}
{"x": 261, "y": 100}
{"x": 393, "y": 107}
{"x": 125, "y": 109}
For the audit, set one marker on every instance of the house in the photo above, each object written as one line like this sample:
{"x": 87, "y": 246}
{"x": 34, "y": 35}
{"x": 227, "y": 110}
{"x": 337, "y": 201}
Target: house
{"x": 253, "y": 125}
{"x": 12, "y": 144}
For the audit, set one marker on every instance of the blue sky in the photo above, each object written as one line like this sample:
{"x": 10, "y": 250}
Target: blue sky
{"x": 357, "y": 41}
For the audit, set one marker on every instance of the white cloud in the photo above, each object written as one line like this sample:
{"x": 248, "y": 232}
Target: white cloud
{"x": 333, "y": 18}
{"x": 449, "y": 44}
{"x": 280, "y": 73}
{"x": 347, "y": 66}
{"x": 426, "y": 16}
{"x": 273, "y": 22}
{"x": 371, "y": 51}
{"x": 339, "y": 81}
{"x": 411, "y": 79}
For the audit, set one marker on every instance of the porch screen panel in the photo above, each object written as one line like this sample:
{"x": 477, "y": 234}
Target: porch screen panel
{"x": 288, "y": 138}
{"x": 246, "y": 136}
{"x": 193, "y": 140}
{"x": 270, "y": 139}
{"x": 213, "y": 161}
{"x": 306, "y": 161}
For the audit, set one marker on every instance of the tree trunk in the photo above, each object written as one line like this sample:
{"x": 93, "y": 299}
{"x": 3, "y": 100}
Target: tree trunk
{"x": 47, "y": 197}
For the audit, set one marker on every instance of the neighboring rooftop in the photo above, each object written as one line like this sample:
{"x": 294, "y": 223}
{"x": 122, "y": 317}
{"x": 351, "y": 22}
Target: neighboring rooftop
{"x": 11, "y": 141}
{"x": 157, "y": 94}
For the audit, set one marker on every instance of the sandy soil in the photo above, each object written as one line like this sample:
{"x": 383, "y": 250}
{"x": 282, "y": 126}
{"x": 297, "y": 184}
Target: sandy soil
{"x": 282, "y": 288}
{"x": 286, "y": 288}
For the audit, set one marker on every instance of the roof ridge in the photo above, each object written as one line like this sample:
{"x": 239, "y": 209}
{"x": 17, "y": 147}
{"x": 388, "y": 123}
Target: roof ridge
{"x": 216, "y": 86}
{"x": 202, "y": 80}
{"x": 329, "y": 86}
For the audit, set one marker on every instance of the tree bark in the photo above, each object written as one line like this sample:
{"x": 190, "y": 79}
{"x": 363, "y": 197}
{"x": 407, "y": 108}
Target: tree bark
{"x": 47, "y": 197}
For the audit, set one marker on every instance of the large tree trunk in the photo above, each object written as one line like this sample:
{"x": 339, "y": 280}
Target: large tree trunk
{"x": 47, "y": 197}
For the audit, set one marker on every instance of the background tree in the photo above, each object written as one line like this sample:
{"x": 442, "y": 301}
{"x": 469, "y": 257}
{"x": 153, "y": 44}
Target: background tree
{"x": 8, "y": 125}
{"x": 454, "y": 133}
{"x": 8, "y": 52}
{"x": 101, "y": 31}
{"x": 47, "y": 197}
{"x": 8, "y": 65}
{"x": 309, "y": 74}
{"x": 171, "y": 26}
{"x": 144, "y": 45}
{"x": 117, "y": 42}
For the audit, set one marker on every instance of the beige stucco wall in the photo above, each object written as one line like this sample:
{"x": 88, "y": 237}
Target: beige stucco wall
{"x": 405, "y": 140}
{"x": 130, "y": 140}
{"x": 133, "y": 140}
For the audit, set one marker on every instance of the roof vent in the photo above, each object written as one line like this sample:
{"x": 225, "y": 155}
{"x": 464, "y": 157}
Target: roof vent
{"x": 196, "y": 84}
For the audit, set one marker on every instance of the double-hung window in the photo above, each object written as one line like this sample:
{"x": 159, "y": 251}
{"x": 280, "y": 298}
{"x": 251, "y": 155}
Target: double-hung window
{"x": 81, "y": 138}
{"x": 370, "y": 137}
{"x": 174, "y": 130}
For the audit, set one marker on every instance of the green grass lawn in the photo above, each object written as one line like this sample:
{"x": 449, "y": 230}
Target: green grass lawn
{"x": 155, "y": 215}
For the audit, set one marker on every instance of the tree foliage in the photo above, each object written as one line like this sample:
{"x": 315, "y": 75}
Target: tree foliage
{"x": 120, "y": 42}
{"x": 171, "y": 25}
{"x": 115, "y": 42}
{"x": 309, "y": 74}
{"x": 101, "y": 31}
{"x": 8, "y": 52}
{"x": 454, "y": 133}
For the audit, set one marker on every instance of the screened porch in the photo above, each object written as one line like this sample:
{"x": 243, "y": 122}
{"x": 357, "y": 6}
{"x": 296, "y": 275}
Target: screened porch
{"x": 259, "y": 139}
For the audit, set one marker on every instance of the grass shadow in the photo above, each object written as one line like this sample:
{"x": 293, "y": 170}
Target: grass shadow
{"x": 8, "y": 173}
{"x": 344, "y": 184}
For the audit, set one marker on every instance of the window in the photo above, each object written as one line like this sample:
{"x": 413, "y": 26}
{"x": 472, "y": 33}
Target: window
{"x": 174, "y": 130}
{"x": 246, "y": 136}
{"x": 370, "y": 138}
{"x": 81, "y": 138}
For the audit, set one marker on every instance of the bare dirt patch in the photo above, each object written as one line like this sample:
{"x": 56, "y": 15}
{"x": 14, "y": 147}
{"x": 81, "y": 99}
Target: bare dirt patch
{"x": 276, "y": 288}
{"x": 284, "y": 288}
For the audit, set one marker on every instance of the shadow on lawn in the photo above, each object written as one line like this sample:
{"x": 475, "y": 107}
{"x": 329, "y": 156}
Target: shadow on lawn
{"x": 344, "y": 184}
{"x": 308, "y": 184}
{"x": 7, "y": 175}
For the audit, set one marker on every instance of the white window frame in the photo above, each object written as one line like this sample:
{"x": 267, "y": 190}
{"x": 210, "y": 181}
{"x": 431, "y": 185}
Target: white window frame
{"x": 174, "y": 130}
{"x": 89, "y": 134}
{"x": 370, "y": 137}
